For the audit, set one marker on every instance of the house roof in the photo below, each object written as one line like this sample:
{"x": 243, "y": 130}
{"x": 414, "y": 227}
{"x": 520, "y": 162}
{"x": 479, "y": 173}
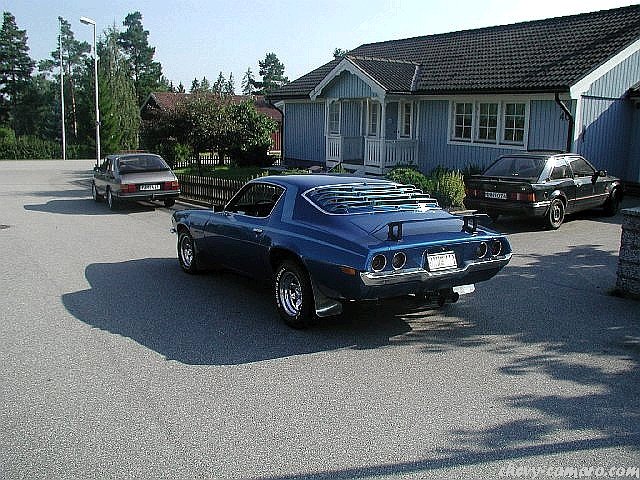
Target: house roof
{"x": 170, "y": 100}
{"x": 539, "y": 56}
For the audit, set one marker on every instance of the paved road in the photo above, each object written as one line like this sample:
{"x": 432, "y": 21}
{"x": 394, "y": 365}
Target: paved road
{"x": 115, "y": 364}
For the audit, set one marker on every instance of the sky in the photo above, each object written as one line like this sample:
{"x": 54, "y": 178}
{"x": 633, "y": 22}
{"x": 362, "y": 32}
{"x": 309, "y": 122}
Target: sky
{"x": 200, "y": 38}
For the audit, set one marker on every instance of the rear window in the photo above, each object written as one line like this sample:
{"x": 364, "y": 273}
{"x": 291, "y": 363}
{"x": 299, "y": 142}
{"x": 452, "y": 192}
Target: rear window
{"x": 142, "y": 163}
{"x": 525, "y": 167}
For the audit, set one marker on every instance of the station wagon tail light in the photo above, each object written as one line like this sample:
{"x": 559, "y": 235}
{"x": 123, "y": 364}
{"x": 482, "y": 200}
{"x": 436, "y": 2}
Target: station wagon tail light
{"x": 127, "y": 188}
{"x": 173, "y": 185}
{"x": 523, "y": 196}
{"x": 472, "y": 192}
{"x": 378, "y": 263}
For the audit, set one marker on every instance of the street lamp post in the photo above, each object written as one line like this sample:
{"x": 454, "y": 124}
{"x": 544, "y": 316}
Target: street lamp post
{"x": 89, "y": 21}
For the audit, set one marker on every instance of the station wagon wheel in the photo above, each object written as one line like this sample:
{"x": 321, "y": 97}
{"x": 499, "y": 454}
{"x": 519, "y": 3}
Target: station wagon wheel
{"x": 555, "y": 214}
{"x": 612, "y": 205}
{"x": 169, "y": 202}
{"x": 293, "y": 294}
{"x": 94, "y": 193}
{"x": 187, "y": 253}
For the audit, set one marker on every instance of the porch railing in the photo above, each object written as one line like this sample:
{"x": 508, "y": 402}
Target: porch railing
{"x": 374, "y": 153}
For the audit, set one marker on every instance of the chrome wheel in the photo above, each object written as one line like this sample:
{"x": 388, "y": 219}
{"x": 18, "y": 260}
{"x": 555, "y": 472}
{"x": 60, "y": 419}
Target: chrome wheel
{"x": 185, "y": 251}
{"x": 290, "y": 293}
{"x": 293, "y": 294}
{"x": 111, "y": 201}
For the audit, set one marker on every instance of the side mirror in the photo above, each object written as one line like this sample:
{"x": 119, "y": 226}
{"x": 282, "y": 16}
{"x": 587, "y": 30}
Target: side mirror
{"x": 602, "y": 173}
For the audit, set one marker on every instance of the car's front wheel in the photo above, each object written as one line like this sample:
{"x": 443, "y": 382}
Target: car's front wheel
{"x": 169, "y": 202}
{"x": 293, "y": 294}
{"x": 187, "y": 253}
{"x": 555, "y": 214}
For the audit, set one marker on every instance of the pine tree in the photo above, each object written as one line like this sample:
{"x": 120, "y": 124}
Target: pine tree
{"x": 74, "y": 59}
{"x": 120, "y": 116}
{"x": 15, "y": 67}
{"x": 195, "y": 86}
{"x": 230, "y": 86}
{"x": 146, "y": 73}
{"x": 219, "y": 85}
{"x": 272, "y": 73}
{"x": 247, "y": 82}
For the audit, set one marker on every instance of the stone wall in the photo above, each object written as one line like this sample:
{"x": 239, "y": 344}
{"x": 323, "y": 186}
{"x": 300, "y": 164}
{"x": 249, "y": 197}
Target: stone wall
{"x": 628, "y": 282}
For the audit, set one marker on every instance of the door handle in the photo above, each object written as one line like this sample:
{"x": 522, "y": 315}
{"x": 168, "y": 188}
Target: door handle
{"x": 257, "y": 231}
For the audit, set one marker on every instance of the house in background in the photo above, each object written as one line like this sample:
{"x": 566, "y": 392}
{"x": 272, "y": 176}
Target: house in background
{"x": 169, "y": 100}
{"x": 463, "y": 98}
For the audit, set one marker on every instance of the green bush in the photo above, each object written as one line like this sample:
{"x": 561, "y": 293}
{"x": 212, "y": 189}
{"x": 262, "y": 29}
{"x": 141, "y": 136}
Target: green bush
{"x": 444, "y": 185}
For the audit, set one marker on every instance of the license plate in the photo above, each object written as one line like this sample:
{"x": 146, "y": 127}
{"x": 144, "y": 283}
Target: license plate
{"x": 496, "y": 195}
{"x": 149, "y": 187}
{"x": 441, "y": 261}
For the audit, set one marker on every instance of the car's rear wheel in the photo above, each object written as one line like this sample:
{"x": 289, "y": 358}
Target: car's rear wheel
{"x": 187, "y": 253}
{"x": 169, "y": 202}
{"x": 112, "y": 201}
{"x": 293, "y": 294}
{"x": 94, "y": 193}
{"x": 612, "y": 205}
{"x": 555, "y": 214}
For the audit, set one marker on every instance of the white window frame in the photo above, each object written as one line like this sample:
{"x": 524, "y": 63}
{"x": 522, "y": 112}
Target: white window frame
{"x": 402, "y": 120}
{"x": 475, "y": 140}
{"x": 454, "y": 125}
{"x": 477, "y": 126}
{"x": 330, "y": 122}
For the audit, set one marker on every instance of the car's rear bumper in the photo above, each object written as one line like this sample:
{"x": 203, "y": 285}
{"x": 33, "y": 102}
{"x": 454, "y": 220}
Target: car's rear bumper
{"x": 157, "y": 195}
{"x": 374, "y": 286}
{"x": 537, "y": 209}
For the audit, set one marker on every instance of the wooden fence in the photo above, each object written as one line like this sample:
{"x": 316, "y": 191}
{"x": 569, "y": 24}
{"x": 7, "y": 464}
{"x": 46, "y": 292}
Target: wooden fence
{"x": 209, "y": 190}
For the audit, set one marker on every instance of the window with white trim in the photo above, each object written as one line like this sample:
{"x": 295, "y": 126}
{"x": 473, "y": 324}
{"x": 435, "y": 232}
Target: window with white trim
{"x": 406, "y": 119}
{"x": 463, "y": 121}
{"x": 490, "y": 122}
{"x": 514, "y": 121}
{"x": 334, "y": 118}
{"x": 487, "y": 122}
{"x": 374, "y": 119}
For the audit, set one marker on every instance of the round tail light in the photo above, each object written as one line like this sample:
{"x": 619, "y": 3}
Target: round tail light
{"x": 496, "y": 248}
{"x": 398, "y": 260}
{"x": 378, "y": 263}
{"x": 481, "y": 250}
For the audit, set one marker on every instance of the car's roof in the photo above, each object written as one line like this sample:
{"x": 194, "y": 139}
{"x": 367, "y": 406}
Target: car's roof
{"x": 310, "y": 181}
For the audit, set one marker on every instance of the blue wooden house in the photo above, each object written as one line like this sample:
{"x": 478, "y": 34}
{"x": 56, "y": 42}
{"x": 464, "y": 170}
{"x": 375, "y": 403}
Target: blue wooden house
{"x": 458, "y": 99}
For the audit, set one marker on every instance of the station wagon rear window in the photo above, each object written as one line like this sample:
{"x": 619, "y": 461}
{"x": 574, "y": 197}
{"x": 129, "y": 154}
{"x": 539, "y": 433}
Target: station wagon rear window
{"x": 369, "y": 198}
{"x": 142, "y": 163}
{"x": 524, "y": 167}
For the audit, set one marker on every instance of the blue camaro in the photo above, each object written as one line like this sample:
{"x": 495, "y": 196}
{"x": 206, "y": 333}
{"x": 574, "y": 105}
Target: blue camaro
{"x": 323, "y": 240}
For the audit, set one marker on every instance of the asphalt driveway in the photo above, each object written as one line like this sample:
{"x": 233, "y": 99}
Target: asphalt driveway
{"x": 115, "y": 364}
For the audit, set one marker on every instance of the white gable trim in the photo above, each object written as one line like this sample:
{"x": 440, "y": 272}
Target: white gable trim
{"x": 584, "y": 84}
{"x": 347, "y": 65}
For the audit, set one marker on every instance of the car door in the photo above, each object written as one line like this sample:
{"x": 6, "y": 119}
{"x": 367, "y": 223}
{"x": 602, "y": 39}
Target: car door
{"x": 561, "y": 179}
{"x": 239, "y": 236}
{"x": 100, "y": 176}
{"x": 583, "y": 175}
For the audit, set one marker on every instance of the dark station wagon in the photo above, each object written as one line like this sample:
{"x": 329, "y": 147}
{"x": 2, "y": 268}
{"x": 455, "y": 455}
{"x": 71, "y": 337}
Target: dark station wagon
{"x": 542, "y": 185}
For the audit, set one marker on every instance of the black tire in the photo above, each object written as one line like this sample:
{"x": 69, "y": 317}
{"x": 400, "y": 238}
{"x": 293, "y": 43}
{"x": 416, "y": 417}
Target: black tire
{"x": 94, "y": 193}
{"x": 187, "y": 253}
{"x": 112, "y": 201}
{"x": 169, "y": 202}
{"x": 294, "y": 295}
{"x": 612, "y": 205}
{"x": 555, "y": 214}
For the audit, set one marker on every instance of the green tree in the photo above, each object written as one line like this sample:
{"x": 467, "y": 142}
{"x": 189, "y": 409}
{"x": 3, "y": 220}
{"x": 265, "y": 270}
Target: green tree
{"x": 77, "y": 65}
{"x": 120, "y": 115}
{"x": 205, "y": 85}
{"x": 146, "y": 73}
{"x": 15, "y": 67}
{"x": 230, "y": 86}
{"x": 272, "y": 73}
{"x": 248, "y": 135}
{"x": 248, "y": 82}
{"x": 219, "y": 85}
{"x": 195, "y": 86}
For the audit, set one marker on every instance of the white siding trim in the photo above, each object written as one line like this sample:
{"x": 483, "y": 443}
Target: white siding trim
{"x": 583, "y": 85}
{"x": 348, "y": 66}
